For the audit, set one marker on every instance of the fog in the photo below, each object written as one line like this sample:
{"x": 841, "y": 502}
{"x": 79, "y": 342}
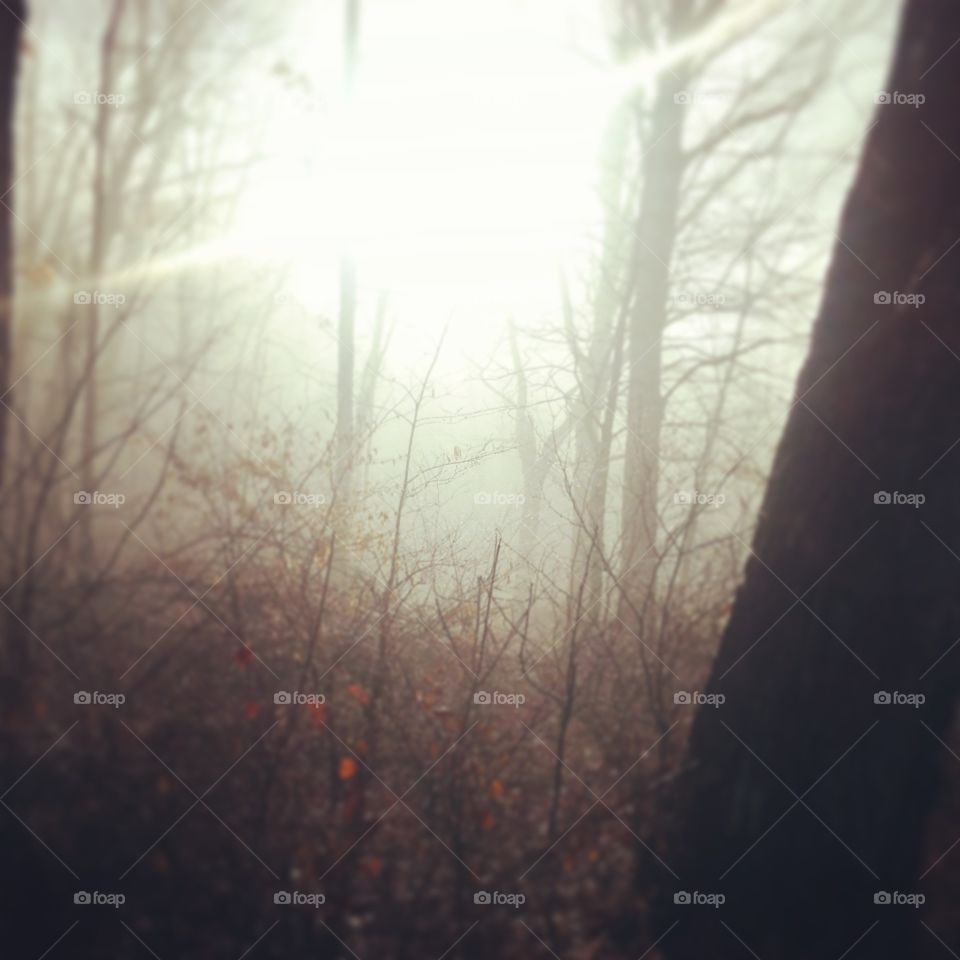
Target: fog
{"x": 399, "y": 354}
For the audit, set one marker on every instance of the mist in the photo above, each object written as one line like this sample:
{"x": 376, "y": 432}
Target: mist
{"x": 417, "y": 448}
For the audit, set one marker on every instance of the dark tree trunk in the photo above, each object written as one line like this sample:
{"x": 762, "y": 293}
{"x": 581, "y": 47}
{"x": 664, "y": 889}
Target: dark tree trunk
{"x": 12, "y": 14}
{"x": 802, "y": 798}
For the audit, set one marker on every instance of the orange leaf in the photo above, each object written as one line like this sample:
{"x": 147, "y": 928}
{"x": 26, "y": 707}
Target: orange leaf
{"x": 487, "y": 821}
{"x": 318, "y": 713}
{"x": 372, "y": 866}
{"x": 496, "y": 789}
{"x": 251, "y": 709}
{"x": 358, "y": 693}
{"x": 347, "y": 769}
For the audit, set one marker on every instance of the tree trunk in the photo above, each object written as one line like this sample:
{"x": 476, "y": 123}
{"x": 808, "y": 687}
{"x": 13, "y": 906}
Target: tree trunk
{"x": 655, "y": 235}
{"x": 345, "y": 364}
{"x": 99, "y": 243}
{"x": 802, "y": 797}
{"x": 11, "y": 25}
{"x": 599, "y": 366}
{"x": 367, "y": 391}
{"x": 346, "y": 334}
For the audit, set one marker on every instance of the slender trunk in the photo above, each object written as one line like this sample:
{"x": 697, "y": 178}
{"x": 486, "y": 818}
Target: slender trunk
{"x": 11, "y": 26}
{"x": 532, "y": 461}
{"x": 593, "y": 455}
{"x": 805, "y": 794}
{"x": 655, "y": 235}
{"x": 345, "y": 365}
{"x": 98, "y": 249}
{"x": 346, "y": 334}
{"x": 367, "y": 391}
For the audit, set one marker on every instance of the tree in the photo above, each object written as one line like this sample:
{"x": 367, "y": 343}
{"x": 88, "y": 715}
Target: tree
{"x": 11, "y": 26}
{"x": 99, "y": 242}
{"x": 698, "y": 144}
{"x": 656, "y": 231}
{"x": 807, "y": 789}
{"x": 346, "y": 335}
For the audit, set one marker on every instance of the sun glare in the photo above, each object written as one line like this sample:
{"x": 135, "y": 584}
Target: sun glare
{"x": 461, "y": 174}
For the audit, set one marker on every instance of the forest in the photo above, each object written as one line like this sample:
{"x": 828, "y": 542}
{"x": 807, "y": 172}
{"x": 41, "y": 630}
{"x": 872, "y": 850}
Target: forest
{"x": 479, "y": 481}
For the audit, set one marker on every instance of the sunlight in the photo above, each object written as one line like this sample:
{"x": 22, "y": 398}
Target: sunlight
{"x": 462, "y": 174}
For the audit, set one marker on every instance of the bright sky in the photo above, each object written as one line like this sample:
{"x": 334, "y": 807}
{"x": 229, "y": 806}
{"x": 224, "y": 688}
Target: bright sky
{"x": 462, "y": 176}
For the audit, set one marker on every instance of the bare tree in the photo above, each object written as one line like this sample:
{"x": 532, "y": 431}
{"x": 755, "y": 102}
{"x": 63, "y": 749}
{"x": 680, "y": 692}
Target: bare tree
{"x": 655, "y": 234}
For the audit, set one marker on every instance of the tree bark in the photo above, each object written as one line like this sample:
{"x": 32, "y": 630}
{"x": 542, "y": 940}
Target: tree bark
{"x": 11, "y": 25}
{"x": 802, "y": 797}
